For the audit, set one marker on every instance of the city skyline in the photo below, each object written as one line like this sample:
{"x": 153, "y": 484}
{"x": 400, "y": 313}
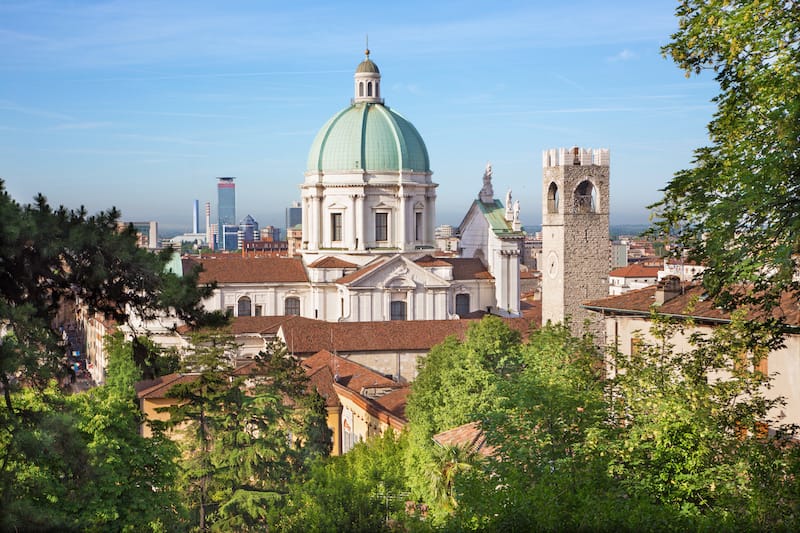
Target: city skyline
{"x": 142, "y": 105}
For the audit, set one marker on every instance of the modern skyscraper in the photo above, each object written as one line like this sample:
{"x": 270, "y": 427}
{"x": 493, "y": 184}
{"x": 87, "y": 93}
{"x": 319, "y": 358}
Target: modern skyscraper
{"x": 196, "y": 216}
{"x": 294, "y": 216}
{"x": 226, "y": 208}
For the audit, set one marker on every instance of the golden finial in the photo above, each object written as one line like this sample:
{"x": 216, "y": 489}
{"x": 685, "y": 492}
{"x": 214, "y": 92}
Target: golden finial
{"x": 367, "y": 50}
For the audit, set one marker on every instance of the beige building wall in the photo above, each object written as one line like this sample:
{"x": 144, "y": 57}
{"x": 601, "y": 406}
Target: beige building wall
{"x": 783, "y": 365}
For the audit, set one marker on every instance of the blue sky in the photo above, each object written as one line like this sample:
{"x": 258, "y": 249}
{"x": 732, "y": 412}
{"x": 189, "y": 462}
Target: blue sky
{"x": 140, "y": 105}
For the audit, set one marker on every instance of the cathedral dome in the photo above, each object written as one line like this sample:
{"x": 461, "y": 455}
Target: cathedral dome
{"x": 368, "y": 137}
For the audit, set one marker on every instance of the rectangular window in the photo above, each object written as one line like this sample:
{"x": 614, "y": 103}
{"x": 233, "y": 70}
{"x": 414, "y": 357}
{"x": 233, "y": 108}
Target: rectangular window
{"x": 336, "y": 226}
{"x": 381, "y": 226}
{"x": 258, "y": 310}
{"x": 418, "y": 226}
{"x": 398, "y": 310}
{"x": 462, "y": 304}
{"x": 292, "y": 306}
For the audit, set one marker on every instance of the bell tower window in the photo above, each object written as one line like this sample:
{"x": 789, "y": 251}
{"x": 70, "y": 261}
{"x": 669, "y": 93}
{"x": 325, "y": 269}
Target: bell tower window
{"x": 361, "y": 88}
{"x": 369, "y": 88}
{"x": 552, "y": 198}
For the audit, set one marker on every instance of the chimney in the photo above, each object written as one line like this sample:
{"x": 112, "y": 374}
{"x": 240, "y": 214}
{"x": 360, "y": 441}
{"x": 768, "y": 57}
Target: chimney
{"x": 667, "y": 288}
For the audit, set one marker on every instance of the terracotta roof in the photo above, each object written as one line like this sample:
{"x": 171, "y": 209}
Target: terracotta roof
{"x": 238, "y": 269}
{"x": 395, "y": 402}
{"x": 309, "y": 337}
{"x": 468, "y": 268}
{"x": 159, "y": 387}
{"x": 268, "y": 325}
{"x": 347, "y": 373}
{"x": 693, "y": 302}
{"x": 322, "y": 380}
{"x": 635, "y": 271}
{"x": 358, "y": 273}
{"x": 340, "y": 375}
{"x": 467, "y": 436}
{"x": 331, "y": 262}
{"x": 463, "y": 267}
{"x": 430, "y": 261}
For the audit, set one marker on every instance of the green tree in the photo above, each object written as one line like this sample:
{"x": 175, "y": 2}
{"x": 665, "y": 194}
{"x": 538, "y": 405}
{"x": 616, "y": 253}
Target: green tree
{"x": 131, "y": 482}
{"x": 51, "y": 259}
{"x": 457, "y": 383}
{"x": 245, "y": 432}
{"x": 693, "y": 427}
{"x": 736, "y": 210}
{"x": 363, "y": 490}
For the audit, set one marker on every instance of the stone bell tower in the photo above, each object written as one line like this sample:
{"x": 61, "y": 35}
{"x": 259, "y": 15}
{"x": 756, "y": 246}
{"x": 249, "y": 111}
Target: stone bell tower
{"x": 575, "y": 234}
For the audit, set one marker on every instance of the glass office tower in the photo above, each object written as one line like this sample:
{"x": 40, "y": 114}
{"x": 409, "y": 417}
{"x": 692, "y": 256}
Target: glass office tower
{"x": 226, "y": 210}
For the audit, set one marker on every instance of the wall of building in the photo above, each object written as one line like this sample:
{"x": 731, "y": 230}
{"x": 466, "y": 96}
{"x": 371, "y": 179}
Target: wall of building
{"x": 782, "y": 364}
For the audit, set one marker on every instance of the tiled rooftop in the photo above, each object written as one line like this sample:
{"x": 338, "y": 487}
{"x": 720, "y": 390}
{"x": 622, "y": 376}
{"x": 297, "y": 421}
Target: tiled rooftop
{"x": 467, "y": 436}
{"x": 693, "y": 301}
{"x": 635, "y": 271}
{"x": 238, "y": 269}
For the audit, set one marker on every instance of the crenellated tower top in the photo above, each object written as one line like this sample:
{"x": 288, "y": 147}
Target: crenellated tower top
{"x": 575, "y": 156}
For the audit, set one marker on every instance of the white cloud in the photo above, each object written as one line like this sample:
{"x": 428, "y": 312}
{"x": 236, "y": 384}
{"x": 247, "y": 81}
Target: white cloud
{"x": 624, "y": 55}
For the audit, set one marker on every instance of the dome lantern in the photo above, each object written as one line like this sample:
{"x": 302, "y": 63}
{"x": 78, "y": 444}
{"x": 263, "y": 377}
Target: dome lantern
{"x": 367, "y": 82}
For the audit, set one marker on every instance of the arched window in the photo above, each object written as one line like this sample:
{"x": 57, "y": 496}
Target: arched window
{"x": 369, "y": 88}
{"x": 552, "y": 198}
{"x": 585, "y": 198}
{"x": 398, "y": 310}
{"x": 462, "y": 304}
{"x": 291, "y": 306}
{"x": 244, "y": 308}
{"x": 377, "y": 89}
{"x": 361, "y": 88}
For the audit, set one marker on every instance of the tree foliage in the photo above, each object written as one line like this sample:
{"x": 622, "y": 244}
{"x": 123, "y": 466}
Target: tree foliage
{"x": 246, "y": 433}
{"x": 51, "y": 258}
{"x": 737, "y": 210}
{"x": 80, "y": 463}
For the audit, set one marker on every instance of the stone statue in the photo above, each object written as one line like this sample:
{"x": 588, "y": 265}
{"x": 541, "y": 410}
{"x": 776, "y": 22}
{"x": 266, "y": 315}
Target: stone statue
{"x": 509, "y": 213}
{"x": 516, "y": 225}
{"x": 487, "y": 192}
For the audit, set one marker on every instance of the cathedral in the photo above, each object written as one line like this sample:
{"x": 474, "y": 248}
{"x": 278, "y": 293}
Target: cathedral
{"x": 368, "y": 219}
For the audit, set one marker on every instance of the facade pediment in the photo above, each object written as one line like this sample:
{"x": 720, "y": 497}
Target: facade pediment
{"x": 398, "y": 272}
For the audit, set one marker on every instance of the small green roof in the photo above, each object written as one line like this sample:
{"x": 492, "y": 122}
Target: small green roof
{"x": 495, "y": 215}
{"x": 369, "y": 137}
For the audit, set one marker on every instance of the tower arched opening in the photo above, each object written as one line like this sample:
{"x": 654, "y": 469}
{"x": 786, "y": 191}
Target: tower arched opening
{"x": 552, "y": 198}
{"x": 585, "y": 197}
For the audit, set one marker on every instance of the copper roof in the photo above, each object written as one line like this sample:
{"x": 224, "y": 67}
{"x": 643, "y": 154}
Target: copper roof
{"x": 238, "y": 269}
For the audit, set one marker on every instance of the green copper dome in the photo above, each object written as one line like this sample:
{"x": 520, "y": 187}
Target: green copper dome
{"x": 368, "y": 137}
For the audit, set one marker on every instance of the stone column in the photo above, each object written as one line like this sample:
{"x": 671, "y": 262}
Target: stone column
{"x": 360, "y": 222}
{"x": 352, "y": 233}
{"x": 402, "y": 223}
